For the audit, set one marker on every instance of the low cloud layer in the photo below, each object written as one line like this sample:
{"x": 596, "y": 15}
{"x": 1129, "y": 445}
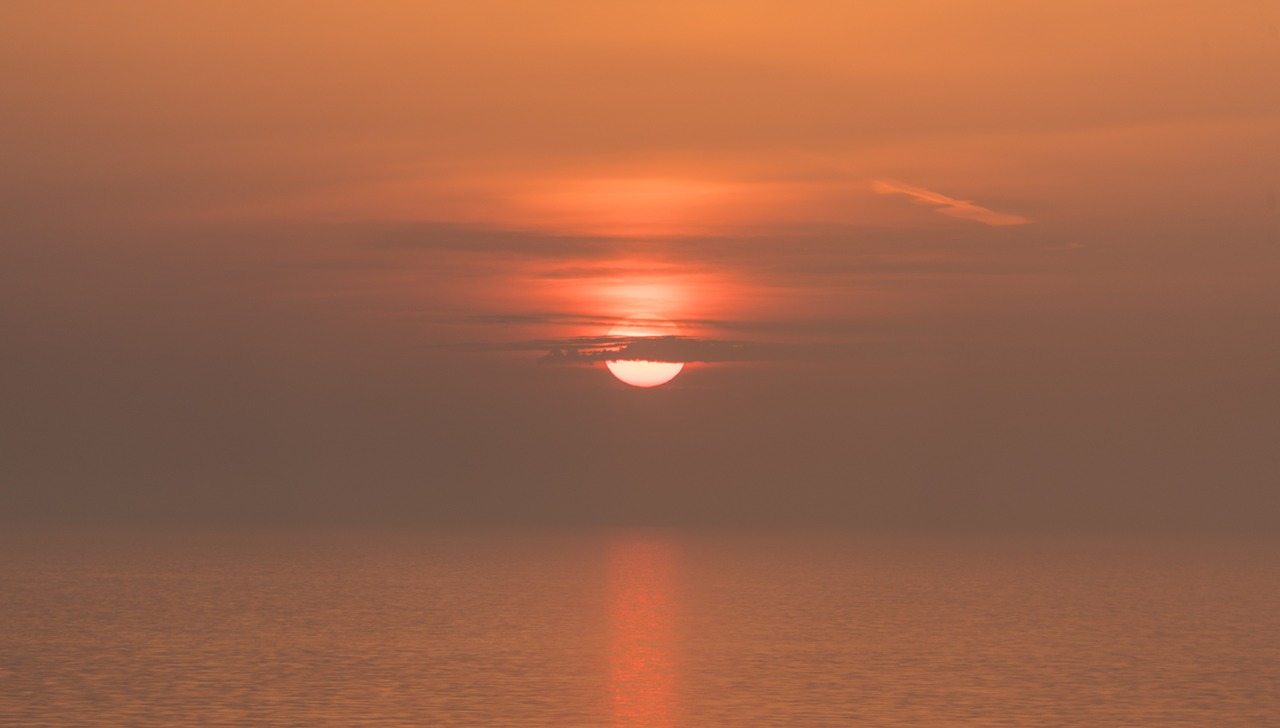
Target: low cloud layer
{"x": 681, "y": 349}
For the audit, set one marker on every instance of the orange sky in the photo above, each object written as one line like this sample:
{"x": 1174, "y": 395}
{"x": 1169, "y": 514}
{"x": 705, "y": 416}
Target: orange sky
{"x": 404, "y": 189}
{"x": 661, "y": 119}
{"x": 493, "y": 101}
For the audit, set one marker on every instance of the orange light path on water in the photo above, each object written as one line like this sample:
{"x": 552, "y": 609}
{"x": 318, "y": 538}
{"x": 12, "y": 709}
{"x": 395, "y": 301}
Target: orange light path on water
{"x": 643, "y": 677}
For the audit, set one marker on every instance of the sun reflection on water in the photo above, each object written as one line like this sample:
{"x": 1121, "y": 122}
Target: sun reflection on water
{"x": 642, "y": 619}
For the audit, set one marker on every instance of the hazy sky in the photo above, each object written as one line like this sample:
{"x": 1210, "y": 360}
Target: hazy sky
{"x": 937, "y": 264}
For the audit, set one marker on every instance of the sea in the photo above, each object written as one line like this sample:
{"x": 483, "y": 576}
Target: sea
{"x": 638, "y": 628}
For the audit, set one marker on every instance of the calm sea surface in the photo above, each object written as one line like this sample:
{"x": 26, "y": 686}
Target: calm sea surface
{"x": 634, "y": 629}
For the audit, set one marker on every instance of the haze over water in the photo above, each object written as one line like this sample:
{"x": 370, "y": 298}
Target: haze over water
{"x": 635, "y": 628}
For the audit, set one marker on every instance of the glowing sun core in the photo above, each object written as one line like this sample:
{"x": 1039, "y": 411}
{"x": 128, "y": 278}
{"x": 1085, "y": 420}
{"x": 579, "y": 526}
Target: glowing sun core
{"x": 639, "y": 373}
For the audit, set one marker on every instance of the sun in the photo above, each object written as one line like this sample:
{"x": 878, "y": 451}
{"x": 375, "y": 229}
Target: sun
{"x": 638, "y": 372}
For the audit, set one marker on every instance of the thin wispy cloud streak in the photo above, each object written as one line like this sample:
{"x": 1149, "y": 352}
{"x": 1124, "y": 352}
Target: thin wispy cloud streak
{"x": 898, "y": 328}
{"x": 681, "y": 349}
{"x": 963, "y": 209}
